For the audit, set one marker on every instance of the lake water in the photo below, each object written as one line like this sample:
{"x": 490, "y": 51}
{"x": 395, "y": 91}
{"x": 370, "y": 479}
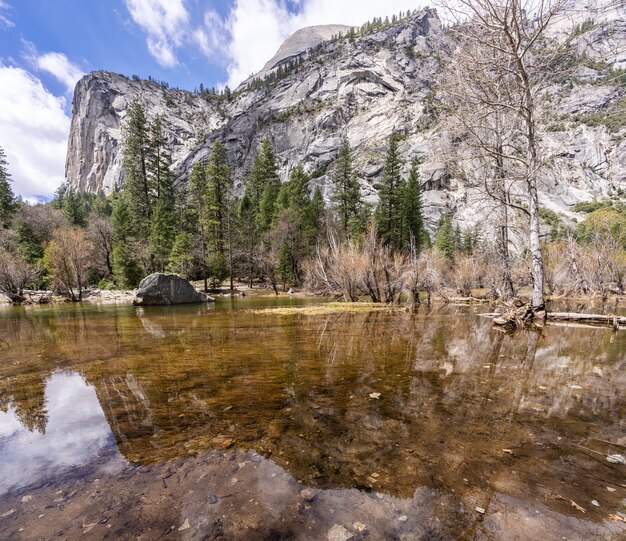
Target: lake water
{"x": 236, "y": 421}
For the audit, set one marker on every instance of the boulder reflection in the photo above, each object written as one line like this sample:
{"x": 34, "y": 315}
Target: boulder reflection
{"x": 461, "y": 407}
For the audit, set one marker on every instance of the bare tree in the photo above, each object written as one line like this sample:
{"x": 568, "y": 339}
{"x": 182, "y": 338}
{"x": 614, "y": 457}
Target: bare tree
{"x": 507, "y": 42}
{"x": 69, "y": 255}
{"x": 15, "y": 274}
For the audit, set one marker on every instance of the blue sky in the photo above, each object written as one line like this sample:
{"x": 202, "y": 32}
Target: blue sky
{"x": 47, "y": 45}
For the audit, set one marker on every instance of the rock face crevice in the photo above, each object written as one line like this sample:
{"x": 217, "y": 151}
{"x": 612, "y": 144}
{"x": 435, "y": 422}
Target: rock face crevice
{"x": 365, "y": 88}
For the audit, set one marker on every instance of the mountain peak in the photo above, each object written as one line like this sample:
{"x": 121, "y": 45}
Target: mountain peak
{"x": 299, "y": 42}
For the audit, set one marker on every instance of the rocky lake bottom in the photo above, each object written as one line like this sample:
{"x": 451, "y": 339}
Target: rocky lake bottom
{"x": 239, "y": 421}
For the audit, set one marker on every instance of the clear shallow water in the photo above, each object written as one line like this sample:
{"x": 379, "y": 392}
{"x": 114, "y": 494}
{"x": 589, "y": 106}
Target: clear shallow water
{"x": 467, "y": 417}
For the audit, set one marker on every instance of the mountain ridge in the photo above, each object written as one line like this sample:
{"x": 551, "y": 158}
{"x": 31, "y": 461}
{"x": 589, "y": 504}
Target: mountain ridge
{"x": 365, "y": 87}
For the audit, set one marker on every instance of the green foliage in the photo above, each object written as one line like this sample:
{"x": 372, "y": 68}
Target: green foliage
{"x": 413, "y": 229}
{"x": 603, "y": 222}
{"x": 73, "y": 208}
{"x": 285, "y": 264}
{"x": 7, "y": 198}
{"x": 127, "y": 269}
{"x": 558, "y": 230}
{"x": 389, "y": 213}
{"x": 590, "y": 206}
{"x": 612, "y": 117}
{"x": 162, "y": 233}
{"x": 346, "y": 196}
{"x": 217, "y": 268}
{"x": 181, "y": 260}
{"x": 446, "y": 240}
{"x": 136, "y": 181}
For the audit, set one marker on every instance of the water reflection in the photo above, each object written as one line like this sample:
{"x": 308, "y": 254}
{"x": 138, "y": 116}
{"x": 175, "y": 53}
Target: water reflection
{"x": 461, "y": 409}
{"x": 70, "y": 430}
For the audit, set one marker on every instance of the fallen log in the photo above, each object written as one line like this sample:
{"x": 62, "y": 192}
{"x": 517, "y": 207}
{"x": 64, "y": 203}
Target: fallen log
{"x": 598, "y": 319}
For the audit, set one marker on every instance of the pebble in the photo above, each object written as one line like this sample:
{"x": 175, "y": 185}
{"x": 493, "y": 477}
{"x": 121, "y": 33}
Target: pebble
{"x": 359, "y": 527}
{"x": 375, "y": 396}
{"x": 480, "y": 510}
{"x": 212, "y": 499}
{"x": 8, "y": 513}
{"x": 308, "y": 495}
{"x": 339, "y": 533}
{"x": 185, "y": 526}
{"x": 403, "y": 518}
{"x": 595, "y": 502}
{"x": 27, "y": 498}
{"x": 610, "y": 489}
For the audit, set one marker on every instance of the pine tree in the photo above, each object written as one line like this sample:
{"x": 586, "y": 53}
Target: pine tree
{"x": 127, "y": 269}
{"x": 316, "y": 210}
{"x": 346, "y": 191}
{"x": 248, "y": 231}
{"x": 285, "y": 264}
{"x": 445, "y": 240}
{"x": 219, "y": 184}
{"x": 162, "y": 234}
{"x": 412, "y": 212}
{"x": 158, "y": 163}
{"x": 390, "y": 193}
{"x": 7, "y": 198}
{"x": 73, "y": 208}
{"x": 136, "y": 180}
{"x": 263, "y": 185}
{"x": 198, "y": 210}
{"x": 181, "y": 260}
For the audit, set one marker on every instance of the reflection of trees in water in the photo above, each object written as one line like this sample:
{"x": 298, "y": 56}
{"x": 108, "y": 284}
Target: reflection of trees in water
{"x": 454, "y": 392}
{"x": 26, "y": 394}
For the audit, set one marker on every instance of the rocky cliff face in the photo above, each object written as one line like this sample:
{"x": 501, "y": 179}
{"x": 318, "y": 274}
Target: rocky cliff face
{"x": 99, "y": 108}
{"x": 366, "y": 88}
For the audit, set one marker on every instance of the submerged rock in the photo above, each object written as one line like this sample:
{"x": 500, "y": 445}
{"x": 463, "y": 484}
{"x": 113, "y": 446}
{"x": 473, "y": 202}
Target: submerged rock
{"x": 165, "y": 289}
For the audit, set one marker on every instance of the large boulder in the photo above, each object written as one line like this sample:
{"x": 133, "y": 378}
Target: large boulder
{"x": 165, "y": 289}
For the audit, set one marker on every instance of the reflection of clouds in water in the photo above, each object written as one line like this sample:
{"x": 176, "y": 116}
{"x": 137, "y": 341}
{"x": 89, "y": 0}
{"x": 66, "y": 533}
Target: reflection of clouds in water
{"x": 76, "y": 431}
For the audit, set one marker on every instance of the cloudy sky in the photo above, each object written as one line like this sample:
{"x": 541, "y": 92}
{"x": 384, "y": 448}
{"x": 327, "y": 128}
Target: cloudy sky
{"x": 45, "y": 47}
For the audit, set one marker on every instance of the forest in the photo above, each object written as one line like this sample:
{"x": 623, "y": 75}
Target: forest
{"x": 492, "y": 97}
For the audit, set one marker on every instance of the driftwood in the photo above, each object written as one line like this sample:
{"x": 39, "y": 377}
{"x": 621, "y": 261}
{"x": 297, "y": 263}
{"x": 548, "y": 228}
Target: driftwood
{"x": 520, "y": 317}
{"x": 611, "y": 321}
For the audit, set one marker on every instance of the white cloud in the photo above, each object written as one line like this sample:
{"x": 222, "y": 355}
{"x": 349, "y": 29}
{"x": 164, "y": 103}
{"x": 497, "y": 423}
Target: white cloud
{"x": 166, "y": 23}
{"x": 4, "y": 18}
{"x": 33, "y": 131}
{"x": 255, "y": 29}
{"x": 58, "y": 65}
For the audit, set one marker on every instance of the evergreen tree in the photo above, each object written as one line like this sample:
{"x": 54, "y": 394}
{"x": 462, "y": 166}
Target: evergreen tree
{"x": 7, "y": 198}
{"x": 219, "y": 184}
{"x": 127, "y": 269}
{"x": 73, "y": 208}
{"x": 445, "y": 240}
{"x": 136, "y": 178}
{"x": 412, "y": 213}
{"x": 162, "y": 234}
{"x": 159, "y": 161}
{"x": 263, "y": 185}
{"x": 181, "y": 259}
{"x": 285, "y": 264}
{"x": 346, "y": 191}
{"x": 102, "y": 204}
{"x": 389, "y": 213}
{"x": 316, "y": 210}
{"x": 248, "y": 231}
{"x": 198, "y": 209}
